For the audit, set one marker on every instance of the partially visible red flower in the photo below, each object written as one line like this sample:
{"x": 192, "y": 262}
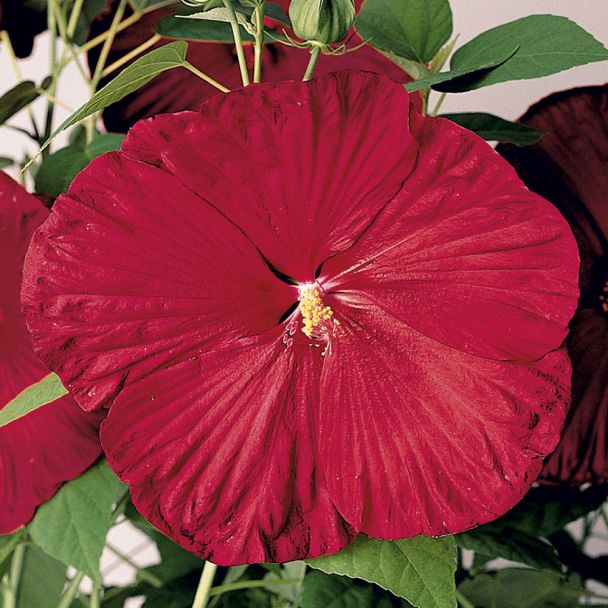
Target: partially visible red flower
{"x": 569, "y": 166}
{"x": 312, "y": 312}
{"x": 23, "y": 21}
{"x": 178, "y": 89}
{"x": 58, "y": 441}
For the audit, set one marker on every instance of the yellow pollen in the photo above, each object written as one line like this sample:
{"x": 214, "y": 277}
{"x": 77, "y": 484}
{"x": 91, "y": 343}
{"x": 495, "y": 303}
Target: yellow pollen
{"x": 604, "y": 298}
{"x": 313, "y": 310}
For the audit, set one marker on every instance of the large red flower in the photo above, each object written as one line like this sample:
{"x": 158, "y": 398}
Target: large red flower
{"x": 312, "y": 312}
{"x": 58, "y": 441}
{"x": 569, "y": 166}
{"x": 179, "y": 89}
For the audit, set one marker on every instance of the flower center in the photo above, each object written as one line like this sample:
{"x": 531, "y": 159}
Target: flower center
{"x": 317, "y": 321}
{"x": 604, "y": 298}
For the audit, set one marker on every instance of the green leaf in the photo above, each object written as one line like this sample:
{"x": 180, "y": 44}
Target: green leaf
{"x": 414, "y": 30}
{"x": 5, "y": 161}
{"x": 494, "y": 540}
{"x": 194, "y": 29}
{"x": 42, "y": 580}
{"x": 134, "y": 76}
{"x": 19, "y": 97}
{"x": 335, "y": 592}
{"x": 44, "y": 391}
{"x": 8, "y": 543}
{"x": 59, "y": 169}
{"x": 73, "y": 525}
{"x": 547, "y": 44}
{"x": 494, "y": 128}
{"x": 516, "y": 588}
{"x": 457, "y": 80}
{"x": 290, "y": 570}
{"x": 420, "y": 569}
{"x": 547, "y": 509}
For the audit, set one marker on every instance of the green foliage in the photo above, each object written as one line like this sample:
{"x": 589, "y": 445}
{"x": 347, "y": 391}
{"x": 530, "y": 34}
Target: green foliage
{"x": 42, "y": 580}
{"x": 134, "y": 76}
{"x": 336, "y": 592}
{"x": 420, "y": 569}
{"x": 8, "y": 543}
{"x": 5, "y": 161}
{"x": 495, "y": 540}
{"x": 548, "y": 509}
{"x": 457, "y": 79}
{"x": 59, "y": 169}
{"x": 73, "y": 525}
{"x": 19, "y": 97}
{"x": 494, "y": 128}
{"x": 414, "y": 30}
{"x": 546, "y": 44}
{"x": 42, "y": 392}
{"x": 516, "y": 588}
{"x": 323, "y": 21}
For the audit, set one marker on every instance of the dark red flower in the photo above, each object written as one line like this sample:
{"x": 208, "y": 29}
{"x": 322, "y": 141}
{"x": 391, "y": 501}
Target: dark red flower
{"x": 23, "y": 21}
{"x": 313, "y": 312}
{"x": 58, "y": 441}
{"x": 178, "y": 89}
{"x": 569, "y": 166}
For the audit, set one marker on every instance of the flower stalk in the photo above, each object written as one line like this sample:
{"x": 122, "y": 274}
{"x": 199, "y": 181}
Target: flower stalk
{"x": 258, "y": 16}
{"x": 310, "y": 68}
{"x": 203, "y": 592}
{"x": 236, "y": 32}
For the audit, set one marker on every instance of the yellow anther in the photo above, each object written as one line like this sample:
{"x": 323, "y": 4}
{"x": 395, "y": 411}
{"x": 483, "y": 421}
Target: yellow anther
{"x": 312, "y": 309}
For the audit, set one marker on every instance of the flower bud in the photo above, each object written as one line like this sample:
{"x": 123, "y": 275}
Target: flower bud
{"x": 322, "y": 21}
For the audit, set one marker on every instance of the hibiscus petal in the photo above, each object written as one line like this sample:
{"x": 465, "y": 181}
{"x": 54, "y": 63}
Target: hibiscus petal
{"x": 132, "y": 271}
{"x": 420, "y": 438}
{"x": 295, "y": 165}
{"x": 568, "y": 166}
{"x": 220, "y": 454}
{"x": 582, "y": 454}
{"x": 58, "y": 441}
{"x": 465, "y": 253}
{"x": 177, "y": 90}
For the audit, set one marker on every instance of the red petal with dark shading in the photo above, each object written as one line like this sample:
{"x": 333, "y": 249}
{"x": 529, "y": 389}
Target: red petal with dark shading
{"x": 58, "y": 441}
{"x": 225, "y": 417}
{"x": 569, "y": 167}
{"x": 140, "y": 272}
{"x": 241, "y": 422}
{"x": 426, "y": 439}
{"x": 285, "y": 161}
{"x": 462, "y": 240}
{"x": 178, "y": 89}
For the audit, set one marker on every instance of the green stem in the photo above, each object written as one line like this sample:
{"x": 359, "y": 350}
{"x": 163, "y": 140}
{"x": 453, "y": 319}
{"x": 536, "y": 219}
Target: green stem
{"x": 63, "y": 33}
{"x": 107, "y": 45}
{"x": 12, "y": 589}
{"x": 205, "y": 77}
{"x": 74, "y": 16}
{"x": 148, "y": 577}
{"x": 438, "y": 104}
{"x": 203, "y": 593}
{"x": 259, "y": 42}
{"x": 54, "y": 70}
{"x": 251, "y": 585}
{"x": 463, "y": 601}
{"x": 94, "y": 601}
{"x": 144, "y": 46}
{"x": 71, "y": 590}
{"x": 236, "y": 32}
{"x": 6, "y": 41}
{"x": 314, "y": 55}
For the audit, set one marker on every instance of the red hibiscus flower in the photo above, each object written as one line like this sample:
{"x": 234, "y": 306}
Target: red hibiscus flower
{"x": 312, "y": 312}
{"x": 569, "y": 166}
{"x": 177, "y": 90}
{"x": 58, "y": 441}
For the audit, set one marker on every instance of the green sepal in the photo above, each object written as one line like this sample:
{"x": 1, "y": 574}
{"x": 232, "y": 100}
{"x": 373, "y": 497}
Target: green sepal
{"x": 322, "y": 21}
